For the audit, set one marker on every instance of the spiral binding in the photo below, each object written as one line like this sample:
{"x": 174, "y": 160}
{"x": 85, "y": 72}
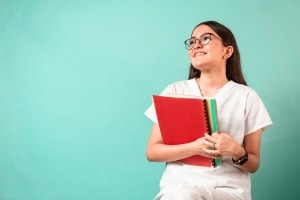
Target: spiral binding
{"x": 208, "y": 128}
{"x": 206, "y": 117}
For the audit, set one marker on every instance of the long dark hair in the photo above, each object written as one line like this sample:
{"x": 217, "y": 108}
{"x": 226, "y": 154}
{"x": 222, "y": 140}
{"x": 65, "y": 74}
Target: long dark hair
{"x": 233, "y": 64}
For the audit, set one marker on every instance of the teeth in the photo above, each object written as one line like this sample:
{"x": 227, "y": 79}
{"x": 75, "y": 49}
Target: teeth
{"x": 199, "y": 54}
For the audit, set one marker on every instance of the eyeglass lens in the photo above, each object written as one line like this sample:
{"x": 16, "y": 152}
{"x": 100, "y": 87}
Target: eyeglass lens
{"x": 203, "y": 40}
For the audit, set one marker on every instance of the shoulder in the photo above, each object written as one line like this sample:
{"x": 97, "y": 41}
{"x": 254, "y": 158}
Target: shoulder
{"x": 238, "y": 93}
{"x": 246, "y": 94}
{"x": 241, "y": 89}
{"x": 238, "y": 86}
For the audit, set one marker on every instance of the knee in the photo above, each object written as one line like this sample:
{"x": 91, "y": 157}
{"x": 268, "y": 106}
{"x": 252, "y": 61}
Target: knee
{"x": 189, "y": 193}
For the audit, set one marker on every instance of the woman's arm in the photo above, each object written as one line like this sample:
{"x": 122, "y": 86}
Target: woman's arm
{"x": 252, "y": 146}
{"x": 157, "y": 151}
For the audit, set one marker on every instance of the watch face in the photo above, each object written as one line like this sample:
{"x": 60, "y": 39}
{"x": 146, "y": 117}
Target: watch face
{"x": 243, "y": 160}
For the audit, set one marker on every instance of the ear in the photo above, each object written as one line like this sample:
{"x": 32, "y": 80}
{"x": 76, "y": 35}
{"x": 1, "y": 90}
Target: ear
{"x": 228, "y": 52}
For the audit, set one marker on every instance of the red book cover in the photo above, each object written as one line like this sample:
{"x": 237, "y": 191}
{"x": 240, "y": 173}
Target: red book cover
{"x": 182, "y": 120}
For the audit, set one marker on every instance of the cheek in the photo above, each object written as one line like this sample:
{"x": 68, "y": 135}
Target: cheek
{"x": 190, "y": 53}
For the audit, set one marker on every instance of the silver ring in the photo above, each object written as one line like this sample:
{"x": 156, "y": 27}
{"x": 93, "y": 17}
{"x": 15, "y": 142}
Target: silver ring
{"x": 213, "y": 146}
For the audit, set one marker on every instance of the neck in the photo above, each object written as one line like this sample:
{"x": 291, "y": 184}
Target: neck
{"x": 212, "y": 80}
{"x": 210, "y": 84}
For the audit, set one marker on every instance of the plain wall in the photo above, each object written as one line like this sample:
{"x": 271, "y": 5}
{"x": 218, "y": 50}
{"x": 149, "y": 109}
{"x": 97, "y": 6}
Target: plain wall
{"x": 76, "y": 77}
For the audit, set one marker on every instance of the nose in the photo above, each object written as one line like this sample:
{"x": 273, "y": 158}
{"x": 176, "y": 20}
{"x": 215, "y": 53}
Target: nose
{"x": 197, "y": 44}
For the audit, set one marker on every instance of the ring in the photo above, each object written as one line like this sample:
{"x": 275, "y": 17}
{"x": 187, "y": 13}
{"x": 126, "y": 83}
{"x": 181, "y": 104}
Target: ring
{"x": 213, "y": 146}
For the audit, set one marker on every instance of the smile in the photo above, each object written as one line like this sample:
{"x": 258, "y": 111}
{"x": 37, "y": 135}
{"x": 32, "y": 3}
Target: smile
{"x": 199, "y": 54}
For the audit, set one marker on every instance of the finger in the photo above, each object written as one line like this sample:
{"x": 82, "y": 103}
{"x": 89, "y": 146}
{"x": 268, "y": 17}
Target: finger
{"x": 209, "y": 144}
{"x": 211, "y": 139}
{"x": 208, "y": 137}
{"x": 215, "y": 135}
{"x": 211, "y": 152}
{"x": 213, "y": 146}
{"x": 224, "y": 135}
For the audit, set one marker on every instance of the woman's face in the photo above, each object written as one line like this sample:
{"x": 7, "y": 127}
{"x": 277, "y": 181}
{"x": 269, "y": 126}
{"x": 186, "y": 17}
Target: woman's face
{"x": 208, "y": 50}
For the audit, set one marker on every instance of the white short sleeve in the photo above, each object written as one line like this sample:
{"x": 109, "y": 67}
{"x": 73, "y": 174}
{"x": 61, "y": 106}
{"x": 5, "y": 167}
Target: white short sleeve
{"x": 256, "y": 115}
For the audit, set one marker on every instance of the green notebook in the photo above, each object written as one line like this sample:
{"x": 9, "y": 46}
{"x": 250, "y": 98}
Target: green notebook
{"x": 213, "y": 122}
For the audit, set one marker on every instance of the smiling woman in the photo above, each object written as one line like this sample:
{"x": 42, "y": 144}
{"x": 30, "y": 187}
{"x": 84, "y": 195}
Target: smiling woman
{"x": 215, "y": 72}
{"x": 76, "y": 77}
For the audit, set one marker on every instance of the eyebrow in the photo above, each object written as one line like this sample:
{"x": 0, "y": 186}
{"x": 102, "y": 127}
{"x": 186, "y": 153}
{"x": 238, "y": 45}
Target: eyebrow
{"x": 203, "y": 34}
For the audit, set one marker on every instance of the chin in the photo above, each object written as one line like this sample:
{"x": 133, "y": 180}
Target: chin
{"x": 197, "y": 66}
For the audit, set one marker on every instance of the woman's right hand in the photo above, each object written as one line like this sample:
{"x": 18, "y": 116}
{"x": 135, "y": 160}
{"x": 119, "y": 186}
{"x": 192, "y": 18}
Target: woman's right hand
{"x": 200, "y": 144}
{"x": 157, "y": 151}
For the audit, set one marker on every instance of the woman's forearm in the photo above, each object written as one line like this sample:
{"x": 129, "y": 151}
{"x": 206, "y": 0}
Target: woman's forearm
{"x": 167, "y": 153}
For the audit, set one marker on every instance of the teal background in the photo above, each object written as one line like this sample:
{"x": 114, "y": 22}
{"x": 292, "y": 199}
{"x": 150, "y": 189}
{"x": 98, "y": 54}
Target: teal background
{"x": 76, "y": 77}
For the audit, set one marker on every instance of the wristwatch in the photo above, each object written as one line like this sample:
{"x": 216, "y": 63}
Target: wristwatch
{"x": 242, "y": 160}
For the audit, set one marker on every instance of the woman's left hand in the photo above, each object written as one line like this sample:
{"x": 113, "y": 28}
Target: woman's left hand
{"x": 220, "y": 144}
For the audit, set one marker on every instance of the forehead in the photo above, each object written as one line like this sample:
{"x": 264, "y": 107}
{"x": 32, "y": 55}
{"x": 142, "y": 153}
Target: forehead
{"x": 200, "y": 30}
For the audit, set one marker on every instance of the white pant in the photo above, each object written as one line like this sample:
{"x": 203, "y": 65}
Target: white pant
{"x": 180, "y": 181}
{"x": 198, "y": 193}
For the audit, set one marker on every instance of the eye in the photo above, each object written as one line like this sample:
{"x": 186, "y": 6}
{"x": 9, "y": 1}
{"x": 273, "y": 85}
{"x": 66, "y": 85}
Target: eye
{"x": 205, "y": 39}
{"x": 192, "y": 42}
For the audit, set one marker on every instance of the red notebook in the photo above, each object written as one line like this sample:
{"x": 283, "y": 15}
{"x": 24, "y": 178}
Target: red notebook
{"x": 183, "y": 120}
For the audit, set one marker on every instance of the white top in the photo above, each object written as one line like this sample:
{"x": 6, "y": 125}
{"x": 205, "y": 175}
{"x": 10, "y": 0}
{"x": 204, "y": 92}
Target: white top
{"x": 240, "y": 112}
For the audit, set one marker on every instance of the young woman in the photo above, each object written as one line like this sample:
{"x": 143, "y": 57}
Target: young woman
{"x": 216, "y": 72}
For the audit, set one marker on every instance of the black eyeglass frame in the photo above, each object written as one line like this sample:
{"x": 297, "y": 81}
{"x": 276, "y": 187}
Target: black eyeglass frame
{"x": 189, "y": 47}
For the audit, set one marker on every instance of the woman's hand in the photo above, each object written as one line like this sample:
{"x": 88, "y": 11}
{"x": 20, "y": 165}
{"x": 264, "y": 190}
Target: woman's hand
{"x": 157, "y": 151}
{"x": 200, "y": 145}
{"x": 220, "y": 144}
{"x": 223, "y": 145}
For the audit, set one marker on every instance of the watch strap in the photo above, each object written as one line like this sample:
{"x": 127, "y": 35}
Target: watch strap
{"x": 242, "y": 160}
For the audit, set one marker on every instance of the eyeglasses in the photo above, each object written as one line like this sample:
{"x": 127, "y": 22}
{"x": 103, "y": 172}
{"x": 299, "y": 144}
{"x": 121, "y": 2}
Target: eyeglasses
{"x": 204, "y": 39}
